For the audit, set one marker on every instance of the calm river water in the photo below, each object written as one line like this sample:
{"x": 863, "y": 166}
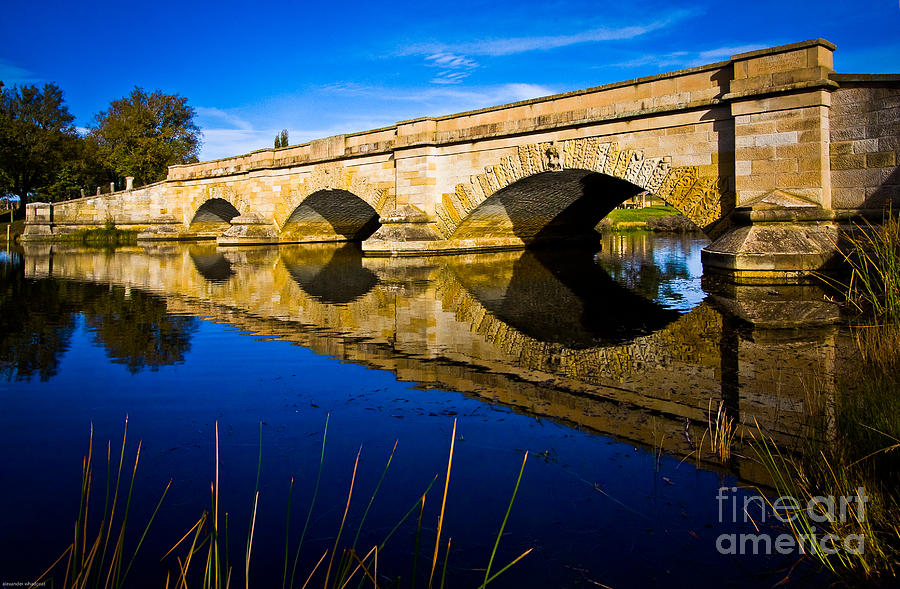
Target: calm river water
{"x": 602, "y": 366}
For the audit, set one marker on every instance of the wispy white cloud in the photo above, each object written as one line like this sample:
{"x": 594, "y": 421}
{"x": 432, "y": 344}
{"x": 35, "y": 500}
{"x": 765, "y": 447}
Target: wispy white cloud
{"x": 448, "y": 60}
{"x": 481, "y": 97}
{"x": 456, "y": 63}
{"x": 450, "y": 77}
{"x": 12, "y": 74}
{"x": 219, "y": 143}
{"x": 210, "y": 114}
{"x": 663, "y": 60}
{"x": 454, "y": 67}
{"x": 458, "y": 99}
{"x": 346, "y": 88}
{"x": 720, "y": 53}
{"x": 228, "y": 133}
{"x": 684, "y": 59}
{"x": 511, "y": 45}
{"x": 355, "y": 107}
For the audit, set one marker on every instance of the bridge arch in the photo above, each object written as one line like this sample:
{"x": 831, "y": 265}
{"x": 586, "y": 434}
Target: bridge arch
{"x": 332, "y": 203}
{"x": 329, "y": 178}
{"x": 545, "y": 186}
{"x": 213, "y": 210}
{"x": 329, "y": 215}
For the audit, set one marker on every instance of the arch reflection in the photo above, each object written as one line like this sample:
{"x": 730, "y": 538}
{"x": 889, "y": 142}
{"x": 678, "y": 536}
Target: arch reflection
{"x": 331, "y": 273}
{"x": 562, "y": 297}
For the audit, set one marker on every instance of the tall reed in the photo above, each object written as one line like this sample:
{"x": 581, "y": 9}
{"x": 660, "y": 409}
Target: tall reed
{"x": 98, "y": 556}
{"x": 722, "y": 432}
{"x": 201, "y": 556}
{"x": 851, "y": 442}
{"x": 873, "y": 256}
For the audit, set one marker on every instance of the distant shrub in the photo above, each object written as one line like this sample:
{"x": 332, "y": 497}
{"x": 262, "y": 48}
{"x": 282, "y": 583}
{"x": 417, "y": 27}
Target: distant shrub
{"x": 672, "y": 223}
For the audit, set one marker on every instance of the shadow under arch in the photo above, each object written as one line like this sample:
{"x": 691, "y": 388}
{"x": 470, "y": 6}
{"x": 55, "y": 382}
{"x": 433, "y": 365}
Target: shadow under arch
{"x": 213, "y": 216}
{"x": 330, "y": 215}
{"x": 546, "y": 207}
{"x": 210, "y": 263}
{"x": 560, "y": 296}
{"x": 330, "y": 273}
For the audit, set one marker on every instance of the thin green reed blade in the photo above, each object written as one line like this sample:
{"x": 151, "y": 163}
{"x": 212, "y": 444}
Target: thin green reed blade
{"x": 408, "y": 513}
{"x": 137, "y": 458}
{"x": 112, "y": 511}
{"x": 146, "y": 529}
{"x": 504, "y": 569}
{"x": 440, "y": 522}
{"x": 312, "y": 503}
{"x": 487, "y": 573}
{"x": 344, "y": 518}
{"x": 287, "y": 533}
{"x": 446, "y": 559}
{"x": 374, "y": 493}
{"x": 253, "y": 516}
{"x": 418, "y": 542}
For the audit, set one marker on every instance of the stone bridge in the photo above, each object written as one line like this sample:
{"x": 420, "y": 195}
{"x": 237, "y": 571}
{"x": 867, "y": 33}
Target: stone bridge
{"x": 770, "y": 153}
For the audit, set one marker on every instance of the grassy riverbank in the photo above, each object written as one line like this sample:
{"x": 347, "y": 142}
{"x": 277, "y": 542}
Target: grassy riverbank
{"x": 106, "y": 236}
{"x": 652, "y": 218}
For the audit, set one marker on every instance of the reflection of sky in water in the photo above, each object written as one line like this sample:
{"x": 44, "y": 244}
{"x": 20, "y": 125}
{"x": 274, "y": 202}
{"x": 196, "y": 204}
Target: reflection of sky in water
{"x": 9, "y": 258}
{"x": 665, "y": 268}
{"x": 680, "y": 262}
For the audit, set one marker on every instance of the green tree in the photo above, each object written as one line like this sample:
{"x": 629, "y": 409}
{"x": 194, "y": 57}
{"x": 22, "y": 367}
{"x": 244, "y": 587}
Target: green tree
{"x": 84, "y": 169}
{"x": 142, "y": 134}
{"x": 281, "y": 140}
{"x": 37, "y": 137}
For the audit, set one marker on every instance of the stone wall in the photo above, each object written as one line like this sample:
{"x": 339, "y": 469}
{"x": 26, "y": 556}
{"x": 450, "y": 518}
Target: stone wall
{"x": 127, "y": 209}
{"x": 865, "y": 142}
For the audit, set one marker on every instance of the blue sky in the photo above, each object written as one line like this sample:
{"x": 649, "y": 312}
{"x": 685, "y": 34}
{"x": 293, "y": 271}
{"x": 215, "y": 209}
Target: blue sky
{"x": 322, "y": 68}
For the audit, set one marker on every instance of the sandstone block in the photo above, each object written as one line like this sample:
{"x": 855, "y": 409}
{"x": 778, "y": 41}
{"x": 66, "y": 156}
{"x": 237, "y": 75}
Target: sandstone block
{"x": 692, "y": 159}
{"x": 799, "y": 180}
{"x": 759, "y": 153}
{"x": 812, "y": 136}
{"x": 865, "y": 146}
{"x": 800, "y": 151}
{"x": 841, "y": 148}
{"x": 848, "y": 133}
{"x": 755, "y": 128}
{"x": 753, "y": 182}
{"x": 799, "y": 123}
{"x": 848, "y": 162}
{"x": 847, "y": 198}
{"x": 889, "y": 143}
{"x": 856, "y": 178}
{"x": 889, "y": 116}
{"x": 779, "y": 62}
{"x": 776, "y": 139}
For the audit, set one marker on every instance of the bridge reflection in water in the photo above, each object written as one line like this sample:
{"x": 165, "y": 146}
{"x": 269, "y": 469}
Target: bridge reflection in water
{"x": 571, "y": 336}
